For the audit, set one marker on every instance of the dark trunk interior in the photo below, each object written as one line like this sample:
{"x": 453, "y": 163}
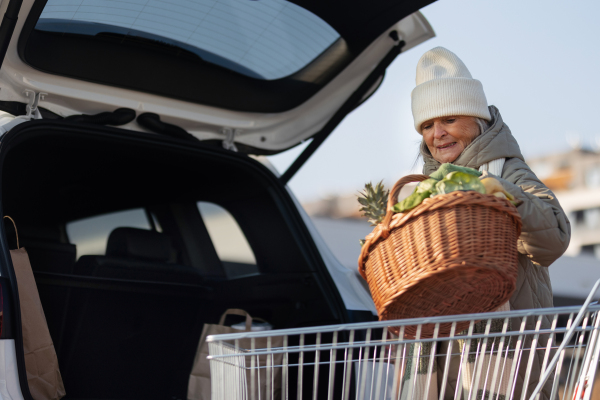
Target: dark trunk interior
{"x": 126, "y": 324}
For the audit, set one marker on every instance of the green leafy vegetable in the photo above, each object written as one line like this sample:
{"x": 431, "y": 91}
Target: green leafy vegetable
{"x": 446, "y": 186}
{"x": 447, "y": 168}
{"x": 458, "y": 180}
{"x": 411, "y": 201}
{"x": 427, "y": 185}
{"x": 448, "y": 178}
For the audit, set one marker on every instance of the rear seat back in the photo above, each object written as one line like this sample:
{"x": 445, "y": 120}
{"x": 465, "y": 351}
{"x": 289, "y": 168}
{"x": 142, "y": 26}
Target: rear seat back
{"x": 47, "y": 256}
{"x": 139, "y": 255}
{"x": 121, "y": 342}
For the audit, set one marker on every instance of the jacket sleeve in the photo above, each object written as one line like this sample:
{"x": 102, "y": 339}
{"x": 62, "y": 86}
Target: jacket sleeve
{"x": 546, "y": 230}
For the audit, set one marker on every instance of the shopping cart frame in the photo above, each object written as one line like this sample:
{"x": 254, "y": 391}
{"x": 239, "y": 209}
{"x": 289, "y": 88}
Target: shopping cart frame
{"x": 232, "y": 378}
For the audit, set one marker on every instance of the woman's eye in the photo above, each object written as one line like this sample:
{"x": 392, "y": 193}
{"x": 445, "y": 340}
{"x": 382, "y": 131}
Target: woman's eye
{"x": 450, "y": 120}
{"x": 427, "y": 127}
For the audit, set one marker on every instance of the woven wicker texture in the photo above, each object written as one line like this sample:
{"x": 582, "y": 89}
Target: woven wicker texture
{"x": 453, "y": 254}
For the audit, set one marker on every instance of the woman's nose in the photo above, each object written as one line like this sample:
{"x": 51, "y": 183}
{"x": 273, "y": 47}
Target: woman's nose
{"x": 438, "y": 131}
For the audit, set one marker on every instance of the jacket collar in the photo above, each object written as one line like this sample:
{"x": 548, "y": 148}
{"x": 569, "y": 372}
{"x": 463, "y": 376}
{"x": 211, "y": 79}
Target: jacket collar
{"x": 496, "y": 142}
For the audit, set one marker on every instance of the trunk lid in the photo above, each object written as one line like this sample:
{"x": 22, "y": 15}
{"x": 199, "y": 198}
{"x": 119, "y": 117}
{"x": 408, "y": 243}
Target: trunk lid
{"x": 265, "y": 75}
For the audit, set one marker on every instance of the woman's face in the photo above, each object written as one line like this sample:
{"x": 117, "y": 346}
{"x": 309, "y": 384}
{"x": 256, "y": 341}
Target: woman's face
{"x": 447, "y": 137}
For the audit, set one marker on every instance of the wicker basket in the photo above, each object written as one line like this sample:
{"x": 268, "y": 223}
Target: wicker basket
{"x": 453, "y": 254}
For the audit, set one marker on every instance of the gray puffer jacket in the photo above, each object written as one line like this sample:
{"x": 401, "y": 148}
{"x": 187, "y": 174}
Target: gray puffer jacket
{"x": 546, "y": 230}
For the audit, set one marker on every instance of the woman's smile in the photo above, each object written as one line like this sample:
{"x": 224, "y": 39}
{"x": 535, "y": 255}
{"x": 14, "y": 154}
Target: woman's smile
{"x": 446, "y": 146}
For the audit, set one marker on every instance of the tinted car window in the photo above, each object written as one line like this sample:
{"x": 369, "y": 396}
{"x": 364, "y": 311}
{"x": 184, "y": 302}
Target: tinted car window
{"x": 227, "y": 237}
{"x": 91, "y": 234}
{"x": 267, "y": 39}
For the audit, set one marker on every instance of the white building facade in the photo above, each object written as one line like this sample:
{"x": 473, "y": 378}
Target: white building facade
{"x": 574, "y": 177}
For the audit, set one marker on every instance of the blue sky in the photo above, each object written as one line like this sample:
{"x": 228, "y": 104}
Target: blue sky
{"x": 539, "y": 62}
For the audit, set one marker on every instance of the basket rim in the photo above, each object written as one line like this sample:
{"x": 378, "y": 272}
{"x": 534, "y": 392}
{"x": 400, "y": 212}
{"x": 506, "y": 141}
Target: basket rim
{"x": 440, "y": 202}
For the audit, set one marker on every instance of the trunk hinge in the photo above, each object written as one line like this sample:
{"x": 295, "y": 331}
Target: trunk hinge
{"x": 9, "y": 121}
{"x": 230, "y": 134}
{"x": 32, "y": 105}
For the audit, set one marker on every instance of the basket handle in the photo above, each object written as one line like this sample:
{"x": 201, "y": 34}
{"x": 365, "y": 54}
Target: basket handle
{"x": 384, "y": 226}
{"x": 393, "y": 198}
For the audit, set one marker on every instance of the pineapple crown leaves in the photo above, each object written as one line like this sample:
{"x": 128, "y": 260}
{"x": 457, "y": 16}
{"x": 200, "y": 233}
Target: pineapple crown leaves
{"x": 373, "y": 200}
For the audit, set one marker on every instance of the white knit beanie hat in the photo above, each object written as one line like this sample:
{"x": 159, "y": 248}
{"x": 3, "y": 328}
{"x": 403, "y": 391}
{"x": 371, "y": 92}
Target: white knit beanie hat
{"x": 445, "y": 87}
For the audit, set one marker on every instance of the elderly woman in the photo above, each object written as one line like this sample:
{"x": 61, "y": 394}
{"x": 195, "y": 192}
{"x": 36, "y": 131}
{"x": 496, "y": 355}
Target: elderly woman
{"x": 450, "y": 111}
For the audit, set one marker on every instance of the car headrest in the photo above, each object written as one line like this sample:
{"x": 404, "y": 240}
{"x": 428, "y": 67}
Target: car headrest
{"x": 139, "y": 244}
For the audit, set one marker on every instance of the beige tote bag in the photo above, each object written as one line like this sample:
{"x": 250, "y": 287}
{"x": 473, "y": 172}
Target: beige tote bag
{"x": 199, "y": 384}
{"x": 41, "y": 363}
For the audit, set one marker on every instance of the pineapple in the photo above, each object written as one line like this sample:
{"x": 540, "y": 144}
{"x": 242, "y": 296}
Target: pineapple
{"x": 374, "y": 203}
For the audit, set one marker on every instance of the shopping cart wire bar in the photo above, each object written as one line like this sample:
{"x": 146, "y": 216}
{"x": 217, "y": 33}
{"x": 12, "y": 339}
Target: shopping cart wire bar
{"x": 545, "y": 354}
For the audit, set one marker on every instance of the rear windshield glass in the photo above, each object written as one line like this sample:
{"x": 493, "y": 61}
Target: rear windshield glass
{"x": 264, "y": 39}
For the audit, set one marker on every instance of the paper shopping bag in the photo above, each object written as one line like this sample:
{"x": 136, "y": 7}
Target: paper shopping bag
{"x": 199, "y": 387}
{"x": 41, "y": 363}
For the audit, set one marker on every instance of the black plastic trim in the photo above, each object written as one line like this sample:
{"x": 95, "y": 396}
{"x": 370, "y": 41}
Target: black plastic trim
{"x": 9, "y": 21}
{"x": 122, "y": 285}
{"x": 153, "y": 123}
{"x": 120, "y": 116}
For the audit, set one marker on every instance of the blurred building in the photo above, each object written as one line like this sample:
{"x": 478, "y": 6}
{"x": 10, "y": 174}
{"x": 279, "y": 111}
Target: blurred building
{"x": 574, "y": 177}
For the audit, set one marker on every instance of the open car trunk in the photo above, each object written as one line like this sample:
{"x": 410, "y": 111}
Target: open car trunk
{"x": 125, "y": 308}
{"x": 126, "y": 322}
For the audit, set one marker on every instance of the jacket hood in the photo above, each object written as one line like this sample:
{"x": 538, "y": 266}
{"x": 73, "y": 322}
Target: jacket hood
{"x": 496, "y": 142}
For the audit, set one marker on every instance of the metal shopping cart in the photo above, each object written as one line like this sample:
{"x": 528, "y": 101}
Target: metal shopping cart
{"x": 501, "y": 356}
